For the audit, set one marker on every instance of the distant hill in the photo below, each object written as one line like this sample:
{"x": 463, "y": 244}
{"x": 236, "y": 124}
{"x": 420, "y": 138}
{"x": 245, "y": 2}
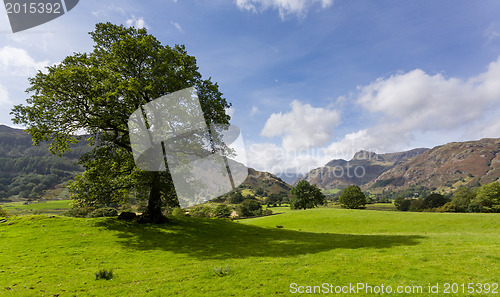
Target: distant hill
{"x": 32, "y": 172}
{"x": 363, "y": 168}
{"x": 445, "y": 167}
{"x": 269, "y": 183}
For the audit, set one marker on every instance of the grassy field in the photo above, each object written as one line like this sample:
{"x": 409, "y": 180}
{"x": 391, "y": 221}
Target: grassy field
{"x": 46, "y": 207}
{"x": 48, "y": 255}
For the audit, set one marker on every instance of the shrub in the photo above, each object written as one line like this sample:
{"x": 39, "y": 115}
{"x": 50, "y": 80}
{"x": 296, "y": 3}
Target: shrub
{"x": 104, "y": 274}
{"x": 435, "y": 200}
{"x": 402, "y": 204}
{"x": 417, "y": 205}
{"x": 178, "y": 212}
{"x": 267, "y": 212}
{"x": 462, "y": 198}
{"x": 222, "y": 211}
{"x": 448, "y": 207}
{"x": 200, "y": 212}
{"x": 79, "y": 212}
{"x": 221, "y": 271}
{"x": 249, "y": 208}
{"x": 103, "y": 212}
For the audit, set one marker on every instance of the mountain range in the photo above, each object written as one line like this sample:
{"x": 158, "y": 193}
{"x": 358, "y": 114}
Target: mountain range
{"x": 444, "y": 167}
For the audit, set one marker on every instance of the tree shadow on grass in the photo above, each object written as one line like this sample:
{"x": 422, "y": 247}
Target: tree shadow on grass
{"x": 223, "y": 239}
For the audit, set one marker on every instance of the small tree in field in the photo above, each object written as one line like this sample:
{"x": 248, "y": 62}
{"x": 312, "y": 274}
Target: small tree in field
{"x": 305, "y": 195}
{"x": 352, "y": 197}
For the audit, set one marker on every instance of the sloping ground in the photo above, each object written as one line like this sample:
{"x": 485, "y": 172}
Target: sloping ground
{"x": 45, "y": 256}
{"x": 447, "y": 167}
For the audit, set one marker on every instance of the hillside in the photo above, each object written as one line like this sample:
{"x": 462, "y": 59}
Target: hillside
{"x": 28, "y": 171}
{"x": 363, "y": 168}
{"x": 32, "y": 172}
{"x": 446, "y": 167}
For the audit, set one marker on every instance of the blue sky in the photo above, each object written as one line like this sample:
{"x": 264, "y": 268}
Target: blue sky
{"x": 309, "y": 80}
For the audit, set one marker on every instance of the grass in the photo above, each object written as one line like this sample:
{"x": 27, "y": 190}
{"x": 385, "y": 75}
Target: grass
{"x": 48, "y": 255}
{"x": 45, "y": 207}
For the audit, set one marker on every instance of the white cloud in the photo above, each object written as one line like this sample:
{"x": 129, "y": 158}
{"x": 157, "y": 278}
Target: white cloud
{"x": 230, "y": 111}
{"x": 404, "y": 111}
{"x": 4, "y": 96}
{"x": 416, "y": 100}
{"x": 285, "y": 7}
{"x": 177, "y": 26}
{"x": 303, "y": 127}
{"x": 16, "y": 61}
{"x": 415, "y": 105}
{"x": 254, "y": 110}
{"x": 134, "y": 21}
{"x": 273, "y": 158}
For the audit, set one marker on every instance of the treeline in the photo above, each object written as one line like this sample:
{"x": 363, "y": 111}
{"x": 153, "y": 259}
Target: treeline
{"x": 485, "y": 198}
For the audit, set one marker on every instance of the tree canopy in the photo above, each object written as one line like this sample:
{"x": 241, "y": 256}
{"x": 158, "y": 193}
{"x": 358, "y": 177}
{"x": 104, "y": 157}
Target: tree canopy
{"x": 305, "y": 195}
{"x": 96, "y": 92}
{"x": 352, "y": 197}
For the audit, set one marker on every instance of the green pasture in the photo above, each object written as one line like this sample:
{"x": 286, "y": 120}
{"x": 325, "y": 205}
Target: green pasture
{"x": 46, "y": 255}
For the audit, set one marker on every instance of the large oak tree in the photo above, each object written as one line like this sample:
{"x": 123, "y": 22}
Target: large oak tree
{"x": 96, "y": 92}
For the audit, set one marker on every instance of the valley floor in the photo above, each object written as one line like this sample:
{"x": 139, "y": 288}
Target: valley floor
{"x": 325, "y": 247}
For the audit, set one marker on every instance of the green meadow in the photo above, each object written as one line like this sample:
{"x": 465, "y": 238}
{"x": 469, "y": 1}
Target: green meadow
{"x": 48, "y": 255}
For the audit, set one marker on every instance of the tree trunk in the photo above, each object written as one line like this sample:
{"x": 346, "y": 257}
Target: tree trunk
{"x": 154, "y": 204}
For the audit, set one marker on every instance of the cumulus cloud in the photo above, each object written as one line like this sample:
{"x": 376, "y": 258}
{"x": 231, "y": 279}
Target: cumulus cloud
{"x": 4, "y": 96}
{"x": 303, "y": 127}
{"x": 273, "y": 158}
{"x": 136, "y": 22}
{"x": 416, "y": 103}
{"x": 17, "y": 61}
{"x": 404, "y": 111}
{"x": 284, "y": 7}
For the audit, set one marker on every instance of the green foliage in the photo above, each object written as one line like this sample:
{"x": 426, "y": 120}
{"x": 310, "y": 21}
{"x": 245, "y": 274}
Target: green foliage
{"x": 103, "y": 212}
{"x": 488, "y": 196}
{"x": 97, "y": 92}
{"x": 434, "y": 200}
{"x": 462, "y": 198}
{"x": 267, "y": 212}
{"x": 79, "y": 212}
{"x": 352, "y": 197}
{"x": 222, "y": 211}
{"x": 417, "y": 205}
{"x": 402, "y": 203}
{"x": 249, "y": 208}
{"x": 236, "y": 197}
{"x": 178, "y": 212}
{"x": 106, "y": 274}
{"x": 201, "y": 212}
{"x": 447, "y": 207}
{"x": 305, "y": 195}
